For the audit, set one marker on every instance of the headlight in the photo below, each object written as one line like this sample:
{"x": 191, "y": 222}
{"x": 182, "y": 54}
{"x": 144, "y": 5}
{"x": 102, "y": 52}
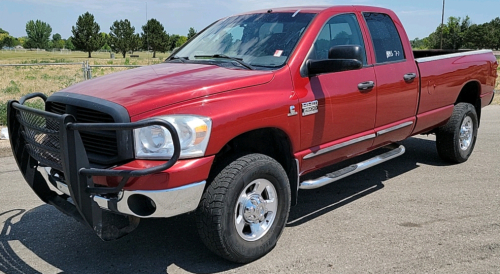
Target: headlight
{"x": 155, "y": 142}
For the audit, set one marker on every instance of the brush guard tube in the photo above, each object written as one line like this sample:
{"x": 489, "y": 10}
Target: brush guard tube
{"x": 45, "y": 139}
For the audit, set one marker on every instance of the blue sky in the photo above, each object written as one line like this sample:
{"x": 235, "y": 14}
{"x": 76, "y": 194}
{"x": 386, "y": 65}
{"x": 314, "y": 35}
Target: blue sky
{"x": 420, "y": 18}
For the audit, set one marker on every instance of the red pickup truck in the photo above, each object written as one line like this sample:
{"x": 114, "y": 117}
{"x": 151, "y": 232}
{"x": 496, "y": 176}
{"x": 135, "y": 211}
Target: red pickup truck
{"x": 234, "y": 122}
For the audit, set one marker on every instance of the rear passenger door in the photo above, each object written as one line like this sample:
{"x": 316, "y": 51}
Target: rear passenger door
{"x": 397, "y": 80}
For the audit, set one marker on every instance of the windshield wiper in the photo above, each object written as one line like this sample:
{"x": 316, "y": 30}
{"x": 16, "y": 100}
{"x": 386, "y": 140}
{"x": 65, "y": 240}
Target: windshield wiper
{"x": 238, "y": 60}
{"x": 182, "y": 59}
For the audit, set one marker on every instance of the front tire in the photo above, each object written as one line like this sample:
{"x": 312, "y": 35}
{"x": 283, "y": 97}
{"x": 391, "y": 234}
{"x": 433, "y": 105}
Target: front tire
{"x": 455, "y": 141}
{"x": 244, "y": 210}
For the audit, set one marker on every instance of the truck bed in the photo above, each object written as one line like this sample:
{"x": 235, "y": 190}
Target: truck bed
{"x": 443, "y": 74}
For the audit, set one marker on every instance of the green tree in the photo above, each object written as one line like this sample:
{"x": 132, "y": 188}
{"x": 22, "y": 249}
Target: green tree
{"x": 22, "y": 41}
{"x": 68, "y": 44}
{"x": 181, "y": 41}
{"x": 38, "y": 34}
{"x": 136, "y": 43}
{"x": 418, "y": 43}
{"x": 494, "y": 32}
{"x": 9, "y": 41}
{"x": 105, "y": 40}
{"x": 154, "y": 37}
{"x": 86, "y": 35}
{"x": 453, "y": 33}
{"x": 57, "y": 41}
{"x": 17, "y": 42}
{"x": 475, "y": 37}
{"x": 121, "y": 36}
{"x": 56, "y": 37}
{"x": 3, "y": 36}
{"x": 191, "y": 33}
{"x": 172, "y": 41}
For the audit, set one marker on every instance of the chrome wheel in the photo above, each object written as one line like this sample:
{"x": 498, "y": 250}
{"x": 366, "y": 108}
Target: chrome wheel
{"x": 256, "y": 210}
{"x": 466, "y": 132}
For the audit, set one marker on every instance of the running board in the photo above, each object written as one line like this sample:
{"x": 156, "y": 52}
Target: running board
{"x": 352, "y": 169}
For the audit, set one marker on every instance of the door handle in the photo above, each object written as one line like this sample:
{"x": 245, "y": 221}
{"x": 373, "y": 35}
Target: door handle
{"x": 410, "y": 77}
{"x": 366, "y": 86}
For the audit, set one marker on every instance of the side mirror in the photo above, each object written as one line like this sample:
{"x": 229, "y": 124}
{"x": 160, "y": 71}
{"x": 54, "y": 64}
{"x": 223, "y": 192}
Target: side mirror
{"x": 340, "y": 58}
{"x": 346, "y": 52}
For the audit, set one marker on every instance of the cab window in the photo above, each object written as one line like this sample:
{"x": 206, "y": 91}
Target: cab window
{"x": 339, "y": 30}
{"x": 385, "y": 38}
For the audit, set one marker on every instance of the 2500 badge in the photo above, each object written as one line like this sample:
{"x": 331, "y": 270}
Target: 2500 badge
{"x": 309, "y": 108}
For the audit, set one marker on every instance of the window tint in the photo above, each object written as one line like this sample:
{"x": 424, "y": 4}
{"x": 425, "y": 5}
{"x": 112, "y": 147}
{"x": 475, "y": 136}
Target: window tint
{"x": 385, "y": 37}
{"x": 339, "y": 30}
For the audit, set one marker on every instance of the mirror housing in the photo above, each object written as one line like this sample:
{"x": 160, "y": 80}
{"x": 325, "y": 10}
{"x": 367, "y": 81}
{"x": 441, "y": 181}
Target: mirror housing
{"x": 315, "y": 67}
{"x": 346, "y": 52}
{"x": 340, "y": 58}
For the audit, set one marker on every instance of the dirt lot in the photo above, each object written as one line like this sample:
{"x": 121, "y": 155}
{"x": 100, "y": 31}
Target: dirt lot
{"x": 414, "y": 214}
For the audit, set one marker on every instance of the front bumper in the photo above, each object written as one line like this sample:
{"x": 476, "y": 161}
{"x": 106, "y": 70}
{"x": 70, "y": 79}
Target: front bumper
{"x": 146, "y": 203}
{"x": 45, "y": 139}
{"x": 155, "y": 203}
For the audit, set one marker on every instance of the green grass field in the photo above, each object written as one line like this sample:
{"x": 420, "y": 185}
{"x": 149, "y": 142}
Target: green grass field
{"x": 21, "y": 80}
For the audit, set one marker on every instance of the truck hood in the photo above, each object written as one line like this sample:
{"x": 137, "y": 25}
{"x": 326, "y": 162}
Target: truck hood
{"x": 143, "y": 89}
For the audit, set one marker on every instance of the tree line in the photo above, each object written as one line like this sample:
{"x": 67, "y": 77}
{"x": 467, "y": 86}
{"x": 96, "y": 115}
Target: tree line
{"x": 460, "y": 33}
{"x": 87, "y": 37}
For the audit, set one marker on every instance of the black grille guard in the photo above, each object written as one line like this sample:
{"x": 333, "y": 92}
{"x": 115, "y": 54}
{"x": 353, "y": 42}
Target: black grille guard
{"x": 41, "y": 138}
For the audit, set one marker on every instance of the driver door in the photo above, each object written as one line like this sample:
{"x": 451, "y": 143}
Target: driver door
{"x": 346, "y": 101}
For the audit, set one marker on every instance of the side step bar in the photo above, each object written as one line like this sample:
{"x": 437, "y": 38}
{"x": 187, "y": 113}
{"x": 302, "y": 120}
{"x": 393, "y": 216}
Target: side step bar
{"x": 352, "y": 169}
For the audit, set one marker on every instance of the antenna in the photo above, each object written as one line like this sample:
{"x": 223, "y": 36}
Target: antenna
{"x": 442, "y": 24}
{"x": 147, "y": 34}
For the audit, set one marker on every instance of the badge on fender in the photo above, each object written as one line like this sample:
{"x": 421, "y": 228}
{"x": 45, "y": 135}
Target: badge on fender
{"x": 309, "y": 108}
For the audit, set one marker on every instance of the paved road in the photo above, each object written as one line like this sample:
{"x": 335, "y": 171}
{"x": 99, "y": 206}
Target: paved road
{"x": 412, "y": 215}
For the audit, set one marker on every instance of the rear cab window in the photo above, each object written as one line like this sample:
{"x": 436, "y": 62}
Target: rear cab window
{"x": 385, "y": 38}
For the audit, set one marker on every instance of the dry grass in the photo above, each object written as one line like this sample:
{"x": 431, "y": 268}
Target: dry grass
{"x": 18, "y": 81}
{"x": 21, "y": 80}
{"x": 496, "y": 101}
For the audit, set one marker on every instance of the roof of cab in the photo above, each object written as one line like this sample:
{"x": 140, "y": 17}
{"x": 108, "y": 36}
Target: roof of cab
{"x": 314, "y": 9}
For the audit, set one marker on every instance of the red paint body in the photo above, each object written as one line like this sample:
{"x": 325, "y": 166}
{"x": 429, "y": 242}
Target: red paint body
{"x": 239, "y": 101}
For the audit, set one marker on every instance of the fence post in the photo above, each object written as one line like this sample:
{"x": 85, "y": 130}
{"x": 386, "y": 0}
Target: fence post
{"x": 89, "y": 71}
{"x": 84, "y": 71}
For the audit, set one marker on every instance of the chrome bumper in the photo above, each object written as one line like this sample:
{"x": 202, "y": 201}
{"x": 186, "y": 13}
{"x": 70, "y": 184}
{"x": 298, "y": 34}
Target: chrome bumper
{"x": 149, "y": 203}
{"x": 157, "y": 203}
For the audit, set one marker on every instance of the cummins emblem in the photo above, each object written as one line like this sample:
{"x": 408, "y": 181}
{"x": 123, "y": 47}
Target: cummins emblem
{"x": 309, "y": 108}
{"x": 292, "y": 111}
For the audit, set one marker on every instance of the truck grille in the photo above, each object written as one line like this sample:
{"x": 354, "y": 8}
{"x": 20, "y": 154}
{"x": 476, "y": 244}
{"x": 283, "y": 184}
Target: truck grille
{"x": 42, "y": 138}
{"x": 101, "y": 146}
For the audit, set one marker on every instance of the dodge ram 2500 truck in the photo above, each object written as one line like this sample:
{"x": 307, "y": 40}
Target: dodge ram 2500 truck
{"x": 234, "y": 122}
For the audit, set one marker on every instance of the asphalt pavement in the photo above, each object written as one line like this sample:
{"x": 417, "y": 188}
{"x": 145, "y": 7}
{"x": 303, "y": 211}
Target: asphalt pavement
{"x": 414, "y": 214}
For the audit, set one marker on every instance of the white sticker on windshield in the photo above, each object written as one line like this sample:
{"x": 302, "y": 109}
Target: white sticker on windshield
{"x": 278, "y": 53}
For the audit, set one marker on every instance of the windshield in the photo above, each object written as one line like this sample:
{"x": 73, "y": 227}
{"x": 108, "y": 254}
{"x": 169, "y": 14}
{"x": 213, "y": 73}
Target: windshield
{"x": 255, "y": 41}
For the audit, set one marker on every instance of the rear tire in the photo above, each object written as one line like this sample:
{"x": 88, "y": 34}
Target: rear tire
{"x": 455, "y": 141}
{"x": 244, "y": 210}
